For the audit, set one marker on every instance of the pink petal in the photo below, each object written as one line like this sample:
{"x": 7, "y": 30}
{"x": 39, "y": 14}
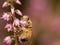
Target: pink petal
{"x": 5, "y": 16}
{"x": 23, "y": 23}
{"x": 8, "y": 40}
{"x": 9, "y": 27}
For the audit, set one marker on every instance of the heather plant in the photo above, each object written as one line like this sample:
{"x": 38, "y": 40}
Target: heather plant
{"x": 21, "y": 27}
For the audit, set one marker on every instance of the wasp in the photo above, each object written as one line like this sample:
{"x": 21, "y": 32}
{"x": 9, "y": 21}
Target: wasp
{"x": 26, "y": 31}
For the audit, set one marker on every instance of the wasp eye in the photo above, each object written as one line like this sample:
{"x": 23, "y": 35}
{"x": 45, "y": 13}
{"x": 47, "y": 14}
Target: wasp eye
{"x": 24, "y": 40}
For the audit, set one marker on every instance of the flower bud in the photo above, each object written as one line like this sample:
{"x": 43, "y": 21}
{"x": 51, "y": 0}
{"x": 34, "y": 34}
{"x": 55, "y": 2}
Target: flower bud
{"x": 4, "y": 4}
{"x": 19, "y": 12}
{"x": 16, "y": 22}
{"x": 12, "y": 11}
{"x": 18, "y": 2}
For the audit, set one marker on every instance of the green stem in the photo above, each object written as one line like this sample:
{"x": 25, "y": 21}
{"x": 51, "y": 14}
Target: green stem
{"x": 15, "y": 36}
{"x": 16, "y": 41}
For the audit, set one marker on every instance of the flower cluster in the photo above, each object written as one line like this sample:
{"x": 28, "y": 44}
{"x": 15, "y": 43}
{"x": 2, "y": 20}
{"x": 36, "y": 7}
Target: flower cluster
{"x": 21, "y": 28}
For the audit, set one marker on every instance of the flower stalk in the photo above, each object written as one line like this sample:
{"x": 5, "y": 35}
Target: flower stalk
{"x": 21, "y": 28}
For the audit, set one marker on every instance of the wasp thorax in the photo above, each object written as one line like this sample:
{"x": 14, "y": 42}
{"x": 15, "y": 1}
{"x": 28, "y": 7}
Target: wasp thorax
{"x": 25, "y": 17}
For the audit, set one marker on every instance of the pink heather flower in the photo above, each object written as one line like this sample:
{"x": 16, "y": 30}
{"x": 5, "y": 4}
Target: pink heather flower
{"x": 4, "y": 4}
{"x": 9, "y": 27}
{"x": 19, "y": 12}
{"x": 8, "y": 40}
{"x": 16, "y": 22}
{"x": 23, "y": 22}
{"x": 18, "y": 2}
{"x": 5, "y": 16}
{"x": 12, "y": 10}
